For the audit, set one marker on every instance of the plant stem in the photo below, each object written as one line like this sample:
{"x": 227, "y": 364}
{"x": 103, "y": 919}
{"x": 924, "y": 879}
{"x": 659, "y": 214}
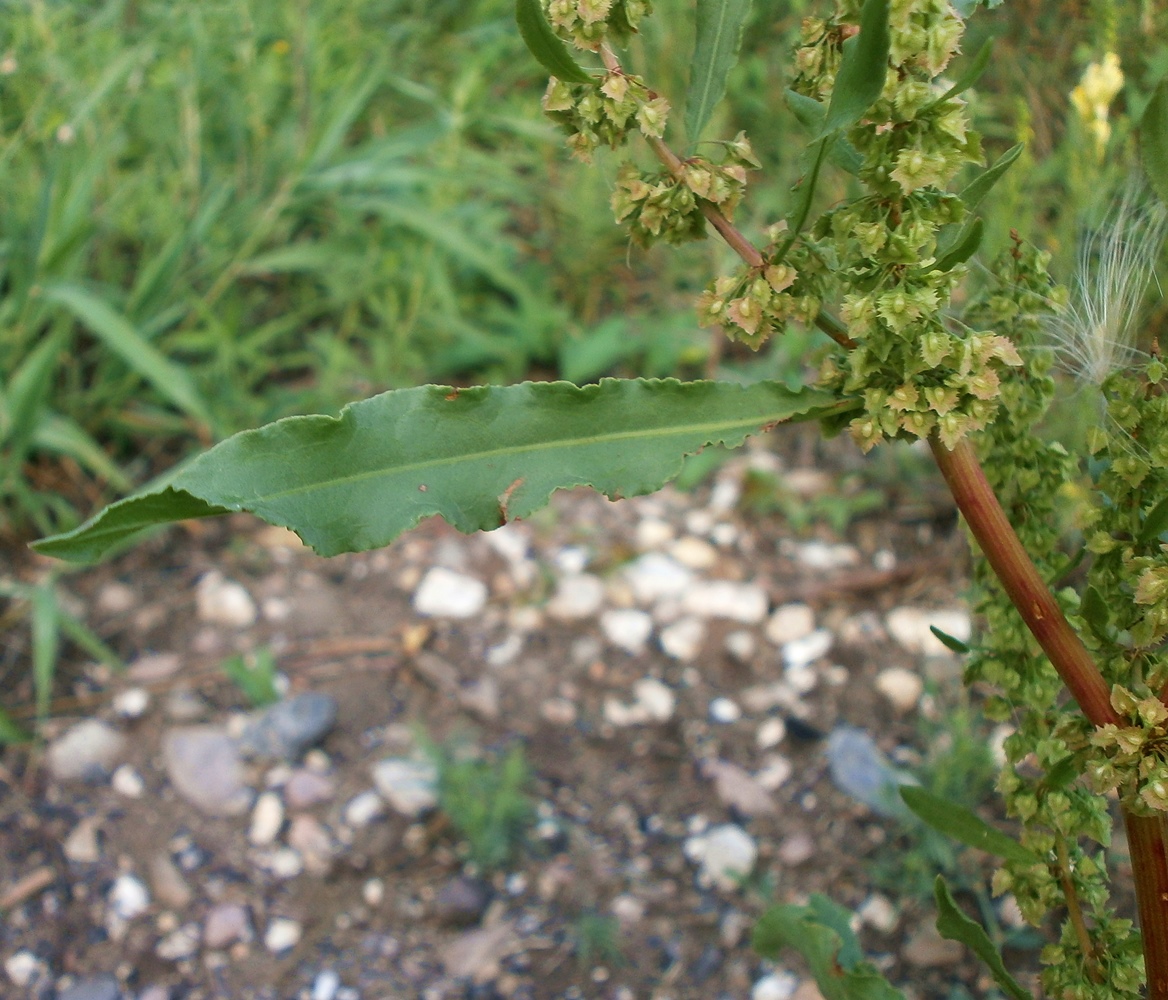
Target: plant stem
{"x": 1075, "y": 912}
{"x": 1145, "y": 838}
{"x": 1025, "y": 587}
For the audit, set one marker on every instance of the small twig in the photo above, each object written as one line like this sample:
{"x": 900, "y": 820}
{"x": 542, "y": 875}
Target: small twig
{"x": 24, "y": 888}
{"x": 1075, "y": 912}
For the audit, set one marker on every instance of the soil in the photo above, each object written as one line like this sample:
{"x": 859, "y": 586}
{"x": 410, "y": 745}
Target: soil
{"x": 610, "y": 869}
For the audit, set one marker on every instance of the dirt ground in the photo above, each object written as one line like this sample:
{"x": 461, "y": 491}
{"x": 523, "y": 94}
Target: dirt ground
{"x": 603, "y": 898}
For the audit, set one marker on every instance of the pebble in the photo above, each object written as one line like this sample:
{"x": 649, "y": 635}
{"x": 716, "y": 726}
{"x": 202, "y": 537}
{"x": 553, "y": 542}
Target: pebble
{"x": 725, "y": 854}
{"x": 154, "y": 667}
{"x": 306, "y": 788}
{"x": 283, "y": 731}
{"x": 24, "y": 968}
{"x": 204, "y": 766}
{"x": 910, "y": 627}
{"x": 128, "y": 782}
{"x": 476, "y": 954}
{"x": 87, "y": 751}
{"x": 745, "y": 603}
{"x": 683, "y": 639}
{"x": 789, "y": 623}
{"x": 267, "y": 818}
{"x": 628, "y": 910}
{"x": 225, "y": 925}
{"x": 326, "y": 985}
{"x": 362, "y": 809}
{"x": 653, "y": 533}
{"x": 878, "y": 913}
{"x": 311, "y": 839}
{"x": 821, "y": 556}
{"x": 771, "y": 733}
{"x": 179, "y": 944}
{"x": 132, "y": 703}
{"x": 482, "y": 698}
{"x": 654, "y": 576}
{"x": 806, "y": 650}
{"x": 724, "y": 711}
{"x": 93, "y": 988}
{"x": 926, "y": 949}
{"x": 796, "y": 849}
{"x": 505, "y": 652}
{"x": 776, "y": 770}
{"x": 167, "y": 882}
{"x": 903, "y": 688}
{"x": 444, "y": 593}
{"x": 694, "y": 553}
{"x": 185, "y": 705}
{"x": 115, "y": 598}
{"x": 653, "y": 701}
{"x": 81, "y": 846}
{"x": 737, "y": 789}
{"x": 559, "y": 711}
{"x": 627, "y": 628}
{"x": 461, "y": 901}
{"x": 741, "y": 645}
{"x": 775, "y": 986}
{"x": 863, "y": 772}
{"x": 577, "y": 596}
{"x": 220, "y": 601}
{"x": 128, "y": 897}
{"x": 282, "y": 935}
{"x": 373, "y": 892}
{"x": 409, "y": 786}
{"x": 282, "y": 862}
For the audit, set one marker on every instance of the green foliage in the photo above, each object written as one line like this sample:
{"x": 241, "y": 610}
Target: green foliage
{"x": 849, "y": 498}
{"x": 479, "y": 457}
{"x": 719, "y": 25}
{"x": 255, "y": 675}
{"x": 597, "y": 939}
{"x": 486, "y": 800}
{"x": 956, "y": 926}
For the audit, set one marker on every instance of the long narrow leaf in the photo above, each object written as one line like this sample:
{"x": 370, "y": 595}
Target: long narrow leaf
{"x": 478, "y": 457}
{"x": 719, "y": 27}
{"x": 545, "y": 44}
{"x": 862, "y": 71}
{"x": 1154, "y": 140}
{"x": 43, "y": 620}
{"x": 956, "y": 926}
{"x": 972, "y": 74}
{"x": 811, "y": 115}
{"x": 28, "y": 394}
{"x": 981, "y": 185}
{"x": 118, "y": 334}
{"x": 962, "y": 825}
{"x": 66, "y": 437}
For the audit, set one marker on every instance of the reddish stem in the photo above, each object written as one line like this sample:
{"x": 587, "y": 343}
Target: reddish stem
{"x": 1145, "y": 838}
{"x": 1026, "y": 589}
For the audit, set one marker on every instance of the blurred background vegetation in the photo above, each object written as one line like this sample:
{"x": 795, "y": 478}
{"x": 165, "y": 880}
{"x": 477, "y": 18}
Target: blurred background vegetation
{"x": 216, "y": 214}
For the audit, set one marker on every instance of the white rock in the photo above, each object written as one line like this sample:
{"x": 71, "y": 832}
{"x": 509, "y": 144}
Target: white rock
{"x": 821, "y": 556}
{"x": 220, "y": 601}
{"x": 771, "y": 733}
{"x": 654, "y": 576}
{"x": 627, "y": 909}
{"x": 128, "y": 782}
{"x": 903, "y": 688}
{"x": 741, "y": 645}
{"x": 81, "y": 846}
{"x": 179, "y": 944}
{"x": 559, "y": 711}
{"x": 878, "y": 913}
{"x": 154, "y": 667}
{"x": 409, "y": 786}
{"x": 775, "y": 772}
{"x": 761, "y": 698}
{"x": 656, "y": 698}
{"x": 446, "y": 594}
{"x": 204, "y": 765}
{"x": 23, "y": 968}
{"x": 282, "y": 935}
{"x": 362, "y": 809}
{"x": 373, "y": 892}
{"x": 325, "y": 985}
{"x": 653, "y": 533}
{"x": 683, "y": 639}
{"x": 571, "y": 559}
{"x": 283, "y": 862}
{"x": 128, "y": 897}
{"x": 725, "y": 495}
{"x": 505, "y": 652}
{"x": 737, "y": 789}
{"x": 694, "y": 553}
{"x": 910, "y": 627}
{"x": 739, "y": 602}
{"x": 115, "y": 598}
{"x": 699, "y": 522}
{"x": 627, "y": 628}
{"x": 311, "y": 838}
{"x": 724, "y": 711}
{"x": 577, "y": 596}
{"x": 725, "y": 854}
{"x": 87, "y": 751}
{"x": 805, "y": 651}
{"x": 267, "y": 817}
{"x": 510, "y": 541}
{"x": 225, "y": 924}
{"x": 132, "y": 702}
{"x": 775, "y": 986}
{"x": 724, "y": 534}
{"x": 789, "y": 623}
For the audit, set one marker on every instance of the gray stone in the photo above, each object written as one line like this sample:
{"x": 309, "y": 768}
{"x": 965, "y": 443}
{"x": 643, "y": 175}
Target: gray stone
{"x": 225, "y": 925}
{"x": 204, "y": 765}
{"x": 737, "y": 789}
{"x": 170, "y": 888}
{"x": 93, "y": 988}
{"x": 306, "y": 788}
{"x": 286, "y": 729}
{"x": 926, "y": 949}
{"x": 87, "y": 751}
{"x": 409, "y": 786}
{"x": 860, "y": 769}
{"x": 461, "y": 901}
{"x": 476, "y": 954}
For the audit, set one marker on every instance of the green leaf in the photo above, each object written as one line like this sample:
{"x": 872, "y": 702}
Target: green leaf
{"x": 118, "y": 334}
{"x": 11, "y": 731}
{"x": 956, "y": 926}
{"x": 962, "y": 825}
{"x": 810, "y": 114}
{"x": 980, "y": 186}
{"x": 967, "y": 79}
{"x": 545, "y": 44}
{"x": 1154, "y": 140}
{"x": 27, "y": 395}
{"x": 862, "y": 70}
{"x": 719, "y": 36}
{"x": 962, "y": 246}
{"x": 829, "y": 947}
{"x": 478, "y": 457}
{"x": 949, "y": 641}
{"x": 43, "y": 621}
{"x": 1093, "y": 610}
{"x": 1155, "y": 523}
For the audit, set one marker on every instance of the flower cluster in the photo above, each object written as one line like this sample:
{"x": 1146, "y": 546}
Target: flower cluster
{"x": 589, "y": 23}
{"x": 1135, "y": 761}
{"x": 1101, "y": 83}
{"x": 665, "y": 205}
{"x": 602, "y": 113}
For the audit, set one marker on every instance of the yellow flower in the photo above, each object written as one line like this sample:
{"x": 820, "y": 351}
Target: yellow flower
{"x": 1092, "y": 98}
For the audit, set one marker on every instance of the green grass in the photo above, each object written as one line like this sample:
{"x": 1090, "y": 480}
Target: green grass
{"x": 255, "y": 676}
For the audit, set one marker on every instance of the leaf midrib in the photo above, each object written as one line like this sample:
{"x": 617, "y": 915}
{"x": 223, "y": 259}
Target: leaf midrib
{"x": 707, "y": 83}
